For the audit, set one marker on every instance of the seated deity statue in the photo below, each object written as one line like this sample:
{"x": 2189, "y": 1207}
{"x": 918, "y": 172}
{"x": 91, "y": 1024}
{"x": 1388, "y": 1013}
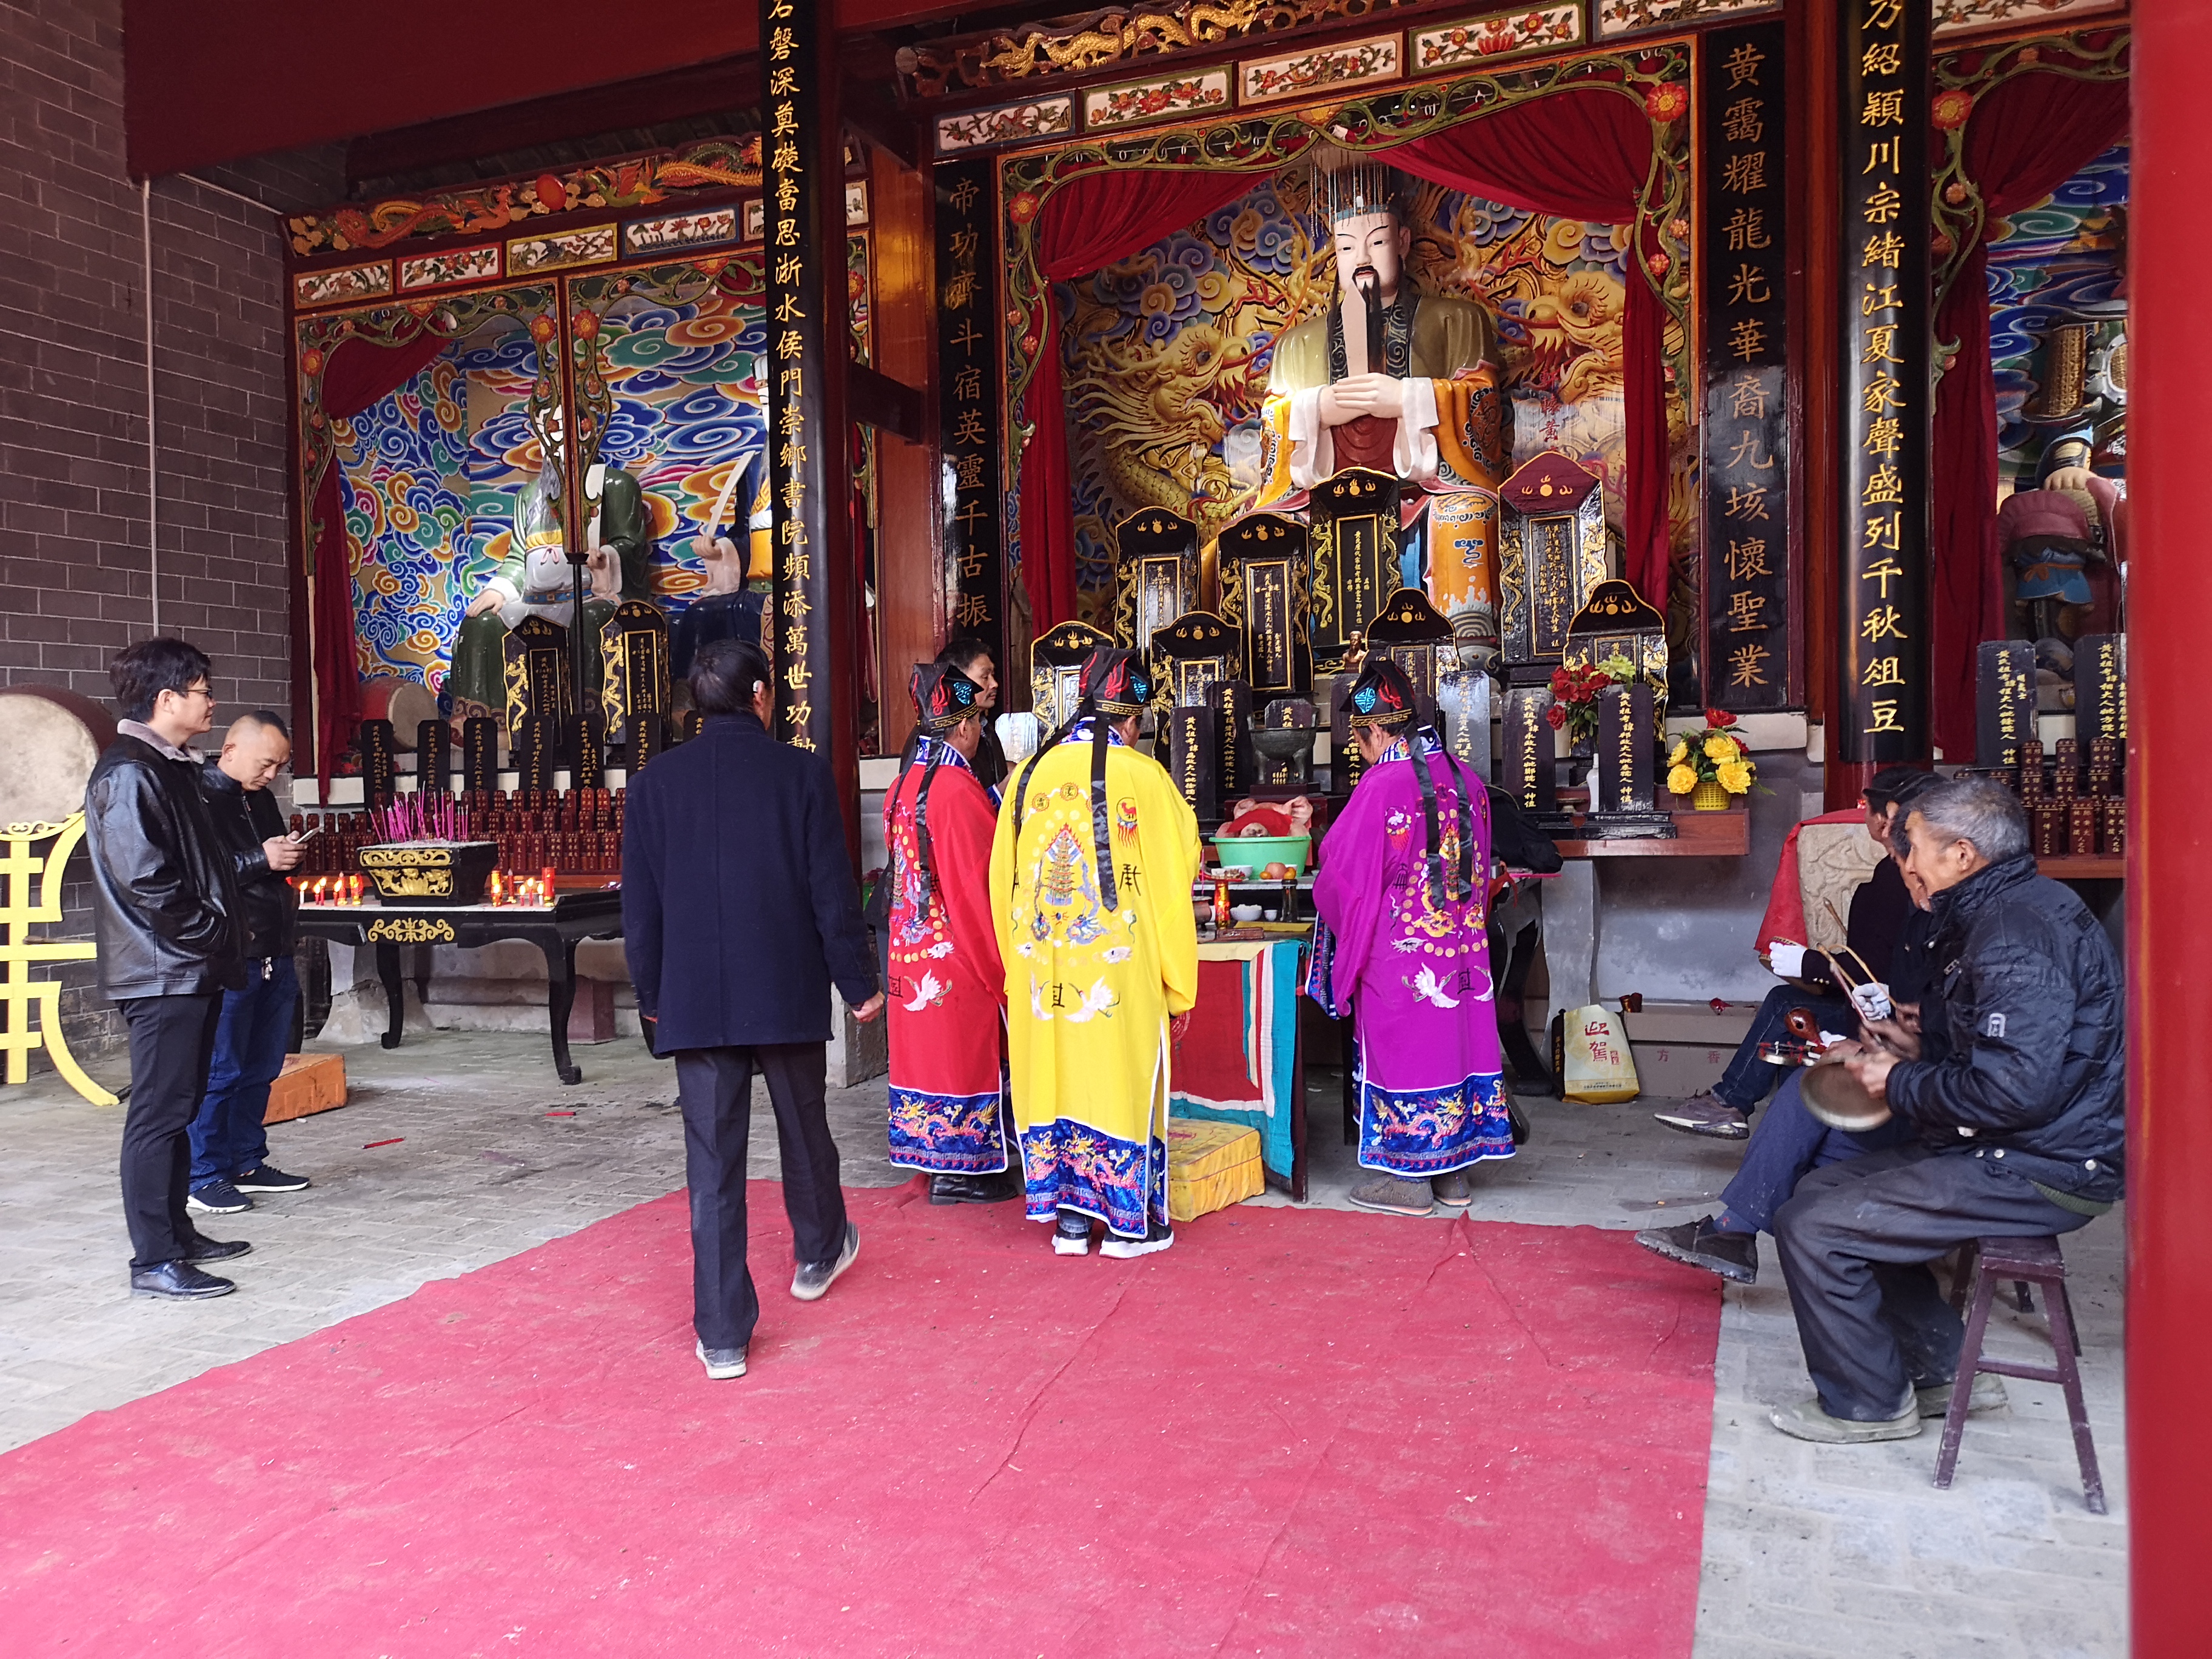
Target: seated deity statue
{"x": 2055, "y": 532}
{"x": 1403, "y": 383}
{"x": 534, "y": 580}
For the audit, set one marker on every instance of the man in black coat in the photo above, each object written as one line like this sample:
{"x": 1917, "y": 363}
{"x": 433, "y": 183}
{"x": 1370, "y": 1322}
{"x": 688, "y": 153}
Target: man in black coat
{"x": 165, "y": 916}
{"x": 230, "y": 1147}
{"x": 2018, "y": 1129}
{"x": 739, "y": 910}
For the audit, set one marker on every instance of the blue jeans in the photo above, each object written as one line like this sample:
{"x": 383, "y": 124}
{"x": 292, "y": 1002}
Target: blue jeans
{"x": 256, "y": 1029}
{"x": 1748, "y": 1078}
{"x": 1787, "y": 1143}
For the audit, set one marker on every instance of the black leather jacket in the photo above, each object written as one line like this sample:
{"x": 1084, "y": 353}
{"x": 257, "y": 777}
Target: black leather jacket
{"x": 244, "y": 818}
{"x": 165, "y": 902}
{"x": 2034, "y": 1067}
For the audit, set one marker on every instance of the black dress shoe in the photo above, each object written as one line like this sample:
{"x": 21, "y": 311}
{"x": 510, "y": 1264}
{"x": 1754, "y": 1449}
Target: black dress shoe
{"x": 205, "y": 1248}
{"x": 974, "y": 1188}
{"x": 178, "y": 1280}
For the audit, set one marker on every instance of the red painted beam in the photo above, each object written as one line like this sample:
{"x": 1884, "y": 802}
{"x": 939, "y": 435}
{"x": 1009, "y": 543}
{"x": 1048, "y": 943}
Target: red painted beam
{"x": 313, "y": 74}
{"x": 2169, "y": 893}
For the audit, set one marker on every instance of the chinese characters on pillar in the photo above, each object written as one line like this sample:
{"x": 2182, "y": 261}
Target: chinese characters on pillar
{"x": 1882, "y": 289}
{"x": 1745, "y": 426}
{"x": 968, "y": 401}
{"x": 794, "y": 371}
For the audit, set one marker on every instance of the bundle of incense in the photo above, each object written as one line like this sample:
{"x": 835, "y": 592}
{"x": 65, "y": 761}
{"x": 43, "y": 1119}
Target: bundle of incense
{"x": 421, "y": 818}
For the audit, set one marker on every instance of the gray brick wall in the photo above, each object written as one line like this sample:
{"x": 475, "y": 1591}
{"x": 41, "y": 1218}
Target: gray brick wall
{"x": 73, "y": 551}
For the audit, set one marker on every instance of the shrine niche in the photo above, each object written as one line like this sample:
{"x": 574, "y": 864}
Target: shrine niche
{"x": 1551, "y": 557}
{"x": 1156, "y": 576}
{"x": 1191, "y": 657}
{"x": 1413, "y": 633}
{"x": 1355, "y": 558}
{"x": 1056, "y": 671}
{"x": 1615, "y": 622}
{"x": 1266, "y": 577}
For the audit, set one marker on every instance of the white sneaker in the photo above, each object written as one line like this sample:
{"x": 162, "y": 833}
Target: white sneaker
{"x": 722, "y": 1364}
{"x": 1066, "y": 1243}
{"x": 1155, "y": 1239}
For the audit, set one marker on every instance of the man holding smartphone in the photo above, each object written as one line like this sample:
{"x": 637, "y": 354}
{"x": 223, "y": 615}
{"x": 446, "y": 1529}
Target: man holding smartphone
{"x": 230, "y": 1148}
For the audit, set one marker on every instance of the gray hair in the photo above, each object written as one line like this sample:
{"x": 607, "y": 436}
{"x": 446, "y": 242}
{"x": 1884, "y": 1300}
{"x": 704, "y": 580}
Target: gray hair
{"x": 1978, "y": 810}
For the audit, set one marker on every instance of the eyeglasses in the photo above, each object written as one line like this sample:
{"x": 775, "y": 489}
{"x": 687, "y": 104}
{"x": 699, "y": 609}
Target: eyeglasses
{"x": 207, "y": 691}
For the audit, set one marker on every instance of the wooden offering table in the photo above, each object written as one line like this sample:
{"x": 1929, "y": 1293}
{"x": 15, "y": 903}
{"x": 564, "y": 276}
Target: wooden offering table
{"x": 554, "y": 929}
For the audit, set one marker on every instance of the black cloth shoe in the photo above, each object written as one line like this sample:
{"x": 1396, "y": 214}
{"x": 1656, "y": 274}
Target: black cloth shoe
{"x": 217, "y": 1198}
{"x": 179, "y": 1281}
{"x": 1157, "y": 1236}
{"x": 974, "y": 1188}
{"x": 813, "y": 1279}
{"x": 205, "y": 1248}
{"x": 267, "y": 1178}
{"x": 1733, "y": 1256}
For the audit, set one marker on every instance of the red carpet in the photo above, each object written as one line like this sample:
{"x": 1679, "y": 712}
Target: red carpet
{"x": 1298, "y": 1431}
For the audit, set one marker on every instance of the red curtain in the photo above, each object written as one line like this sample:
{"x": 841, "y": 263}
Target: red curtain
{"x": 2026, "y": 137}
{"x": 1581, "y": 154}
{"x": 357, "y": 374}
{"x": 1083, "y": 227}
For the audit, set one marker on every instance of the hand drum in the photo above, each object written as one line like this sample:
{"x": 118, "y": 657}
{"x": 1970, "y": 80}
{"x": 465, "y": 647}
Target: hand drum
{"x": 1840, "y": 1100}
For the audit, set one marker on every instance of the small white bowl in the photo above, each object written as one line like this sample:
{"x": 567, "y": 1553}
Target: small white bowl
{"x": 1245, "y": 912}
{"x": 1269, "y": 915}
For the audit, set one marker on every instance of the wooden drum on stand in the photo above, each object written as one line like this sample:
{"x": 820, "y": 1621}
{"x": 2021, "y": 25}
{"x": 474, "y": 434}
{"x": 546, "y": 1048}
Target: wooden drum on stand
{"x": 403, "y": 703}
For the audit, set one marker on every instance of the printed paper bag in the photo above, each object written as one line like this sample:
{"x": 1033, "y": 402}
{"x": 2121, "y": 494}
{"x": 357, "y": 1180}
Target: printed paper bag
{"x": 1598, "y": 1068}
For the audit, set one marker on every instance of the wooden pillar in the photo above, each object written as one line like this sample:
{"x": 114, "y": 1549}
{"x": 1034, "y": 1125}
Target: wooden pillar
{"x": 809, "y": 470}
{"x": 1810, "y": 40}
{"x": 1880, "y": 281}
{"x": 910, "y": 607}
{"x": 2169, "y": 890}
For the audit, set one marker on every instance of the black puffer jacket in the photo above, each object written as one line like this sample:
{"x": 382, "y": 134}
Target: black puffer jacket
{"x": 165, "y": 903}
{"x": 2033, "y": 1016}
{"x": 244, "y": 818}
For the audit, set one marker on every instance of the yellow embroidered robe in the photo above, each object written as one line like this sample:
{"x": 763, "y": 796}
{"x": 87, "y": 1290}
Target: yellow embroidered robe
{"x": 1090, "y": 990}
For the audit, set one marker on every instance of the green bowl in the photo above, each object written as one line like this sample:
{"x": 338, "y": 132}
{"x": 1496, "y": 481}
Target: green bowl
{"x": 1256, "y": 852}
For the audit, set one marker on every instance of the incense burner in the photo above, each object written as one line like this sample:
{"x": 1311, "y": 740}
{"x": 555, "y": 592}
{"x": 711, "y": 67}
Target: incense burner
{"x": 430, "y": 871}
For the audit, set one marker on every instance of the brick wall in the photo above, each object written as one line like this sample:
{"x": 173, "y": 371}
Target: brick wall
{"x": 75, "y": 583}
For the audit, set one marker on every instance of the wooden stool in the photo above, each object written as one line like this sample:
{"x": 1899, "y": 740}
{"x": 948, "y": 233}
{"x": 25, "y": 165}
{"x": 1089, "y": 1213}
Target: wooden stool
{"x": 2024, "y": 1261}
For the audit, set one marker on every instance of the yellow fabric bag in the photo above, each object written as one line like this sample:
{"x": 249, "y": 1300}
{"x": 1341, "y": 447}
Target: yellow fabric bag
{"x": 1211, "y": 1165}
{"x": 1598, "y": 1069}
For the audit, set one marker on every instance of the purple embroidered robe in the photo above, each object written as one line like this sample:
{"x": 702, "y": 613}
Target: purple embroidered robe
{"x": 1414, "y": 973}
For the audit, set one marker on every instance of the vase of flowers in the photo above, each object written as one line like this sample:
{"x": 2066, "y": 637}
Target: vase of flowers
{"x": 1711, "y": 767}
{"x": 1575, "y": 688}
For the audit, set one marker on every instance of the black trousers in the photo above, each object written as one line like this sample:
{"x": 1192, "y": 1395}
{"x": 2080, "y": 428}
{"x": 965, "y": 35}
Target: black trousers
{"x": 172, "y": 1040}
{"x": 1856, "y": 1242}
{"x": 716, "y": 1088}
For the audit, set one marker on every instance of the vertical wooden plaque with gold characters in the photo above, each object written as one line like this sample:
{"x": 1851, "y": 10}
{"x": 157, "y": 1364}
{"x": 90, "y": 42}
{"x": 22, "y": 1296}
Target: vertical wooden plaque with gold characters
{"x": 1355, "y": 545}
{"x": 1266, "y": 590}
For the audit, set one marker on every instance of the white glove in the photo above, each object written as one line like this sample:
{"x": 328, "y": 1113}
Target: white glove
{"x": 1787, "y": 960}
{"x": 1872, "y": 1000}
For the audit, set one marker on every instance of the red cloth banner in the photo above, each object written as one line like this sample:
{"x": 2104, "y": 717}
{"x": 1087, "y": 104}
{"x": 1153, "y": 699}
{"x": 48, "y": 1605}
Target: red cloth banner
{"x": 357, "y": 373}
{"x": 2026, "y": 137}
{"x": 1084, "y": 226}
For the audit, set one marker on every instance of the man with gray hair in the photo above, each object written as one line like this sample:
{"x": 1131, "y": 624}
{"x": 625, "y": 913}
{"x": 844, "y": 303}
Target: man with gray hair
{"x": 2013, "y": 1093}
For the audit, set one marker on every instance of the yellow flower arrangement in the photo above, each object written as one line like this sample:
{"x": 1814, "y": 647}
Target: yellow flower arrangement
{"x": 1715, "y": 754}
{"x": 1734, "y": 776}
{"x": 1680, "y": 779}
{"x": 1720, "y": 749}
{"x": 1675, "y": 757}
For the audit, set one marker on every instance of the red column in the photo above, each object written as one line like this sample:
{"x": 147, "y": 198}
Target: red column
{"x": 2169, "y": 894}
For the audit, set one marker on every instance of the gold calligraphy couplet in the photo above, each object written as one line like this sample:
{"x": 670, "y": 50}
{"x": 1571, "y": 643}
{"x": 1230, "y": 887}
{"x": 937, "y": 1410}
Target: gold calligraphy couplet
{"x": 1881, "y": 289}
{"x": 971, "y": 486}
{"x": 1749, "y": 660}
{"x": 38, "y": 853}
{"x": 795, "y": 369}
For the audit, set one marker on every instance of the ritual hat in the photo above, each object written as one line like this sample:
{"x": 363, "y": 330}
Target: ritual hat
{"x": 943, "y": 697}
{"x": 1382, "y": 695}
{"x": 1115, "y": 682}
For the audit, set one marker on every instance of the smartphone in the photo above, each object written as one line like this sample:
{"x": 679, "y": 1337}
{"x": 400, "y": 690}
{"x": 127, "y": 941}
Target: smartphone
{"x": 300, "y": 837}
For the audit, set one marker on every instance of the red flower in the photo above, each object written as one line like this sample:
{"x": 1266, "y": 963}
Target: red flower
{"x": 1667, "y": 101}
{"x": 1024, "y": 207}
{"x": 1951, "y": 108}
{"x": 1720, "y": 718}
{"x": 1557, "y": 715}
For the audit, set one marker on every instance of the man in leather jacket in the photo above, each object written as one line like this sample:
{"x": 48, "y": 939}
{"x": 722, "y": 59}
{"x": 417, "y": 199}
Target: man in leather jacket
{"x": 230, "y": 1148}
{"x": 2017, "y": 1131}
{"x": 165, "y": 916}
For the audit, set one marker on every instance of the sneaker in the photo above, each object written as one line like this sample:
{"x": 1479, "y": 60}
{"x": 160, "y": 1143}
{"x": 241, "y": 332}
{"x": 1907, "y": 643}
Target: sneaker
{"x": 1733, "y": 1256}
{"x": 1989, "y": 1395}
{"x": 1807, "y": 1421}
{"x": 1453, "y": 1191}
{"x": 1071, "y": 1234}
{"x": 1394, "y": 1195}
{"x": 266, "y": 1178}
{"x": 1705, "y": 1113}
{"x": 1158, "y": 1236}
{"x": 722, "y": 1364}
{"x": 217, "y": 1198}
{"x": 813, "y": 1279}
